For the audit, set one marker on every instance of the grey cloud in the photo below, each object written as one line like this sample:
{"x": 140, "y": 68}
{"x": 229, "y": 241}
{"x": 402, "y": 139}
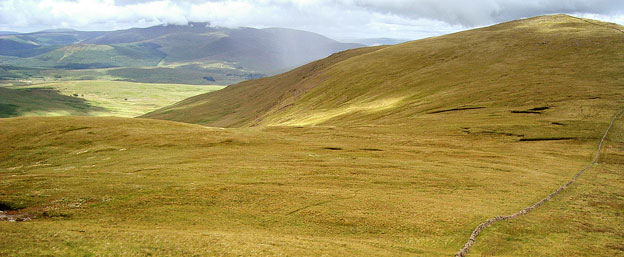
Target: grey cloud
{"x": 482, "y": 12}
{"x": 336, "y": 18}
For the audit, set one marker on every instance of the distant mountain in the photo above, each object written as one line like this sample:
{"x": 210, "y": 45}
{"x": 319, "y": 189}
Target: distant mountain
{"x": 26, "y": 45}
{"x": 61, "y": 30}
{"x": 262, "y": 50}
{"x": 7, "y": 33}
{"x": 222, "y": 54}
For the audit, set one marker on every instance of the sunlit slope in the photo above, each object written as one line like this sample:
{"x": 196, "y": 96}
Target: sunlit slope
{"x": 244, "y": 103}
{"x": 558, "y": 61}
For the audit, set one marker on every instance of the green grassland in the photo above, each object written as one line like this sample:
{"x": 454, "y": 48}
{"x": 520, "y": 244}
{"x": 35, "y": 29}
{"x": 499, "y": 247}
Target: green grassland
{"x": 92, "y": 98}
{"x": 386, "y": 151}
{"x": 41, "y": 102}
{"x": 192, "y": 74}
{"x": 187, "y": 74}
{"x": 13, "y": 73}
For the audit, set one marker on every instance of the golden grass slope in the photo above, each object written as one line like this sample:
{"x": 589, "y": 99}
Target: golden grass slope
{"x": 243, "y": 103}
{"x": 519, "y": 64}
{"x": 115, "y": 186}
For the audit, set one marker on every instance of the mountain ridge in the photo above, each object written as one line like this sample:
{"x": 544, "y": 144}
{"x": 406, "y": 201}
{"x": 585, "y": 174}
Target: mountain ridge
{"x": 224, "y": 54}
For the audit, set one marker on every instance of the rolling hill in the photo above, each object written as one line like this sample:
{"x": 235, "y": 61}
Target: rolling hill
{"x": 223, "y": 55}
{"x": 384, "y": 151}
{"x": 511, "y": 66}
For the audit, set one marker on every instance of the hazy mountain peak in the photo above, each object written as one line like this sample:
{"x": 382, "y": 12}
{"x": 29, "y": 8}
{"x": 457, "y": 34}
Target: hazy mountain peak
{"x": 199, "y": 24}
{"x": 60, "y": 30}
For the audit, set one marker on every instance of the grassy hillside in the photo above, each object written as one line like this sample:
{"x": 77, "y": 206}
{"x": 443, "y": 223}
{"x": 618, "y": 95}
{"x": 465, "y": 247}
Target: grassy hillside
{"x": 507, "y": 67}
{"x": 387, "y": 151}
{"x": 243, "y": 103}
{"x": 92, "y": 98}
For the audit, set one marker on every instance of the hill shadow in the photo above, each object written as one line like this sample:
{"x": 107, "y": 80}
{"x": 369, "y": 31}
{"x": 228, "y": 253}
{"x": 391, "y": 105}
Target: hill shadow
{"x": 21, "y": 101}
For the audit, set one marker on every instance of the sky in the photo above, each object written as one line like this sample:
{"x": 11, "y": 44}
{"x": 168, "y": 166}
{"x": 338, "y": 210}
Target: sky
{"x": 338, "y": 19}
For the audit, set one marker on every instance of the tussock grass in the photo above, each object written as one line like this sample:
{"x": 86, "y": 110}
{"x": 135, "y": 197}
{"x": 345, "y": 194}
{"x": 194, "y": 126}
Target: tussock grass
{"x": 270, "y": 190}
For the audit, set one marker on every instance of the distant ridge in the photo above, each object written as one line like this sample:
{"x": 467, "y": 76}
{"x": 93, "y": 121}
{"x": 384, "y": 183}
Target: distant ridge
{"x": 60, "y": 30}
{"x": 197, "y": 50}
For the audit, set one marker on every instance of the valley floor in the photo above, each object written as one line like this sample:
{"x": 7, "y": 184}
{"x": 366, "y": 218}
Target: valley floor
{"x": 92, "y": 97}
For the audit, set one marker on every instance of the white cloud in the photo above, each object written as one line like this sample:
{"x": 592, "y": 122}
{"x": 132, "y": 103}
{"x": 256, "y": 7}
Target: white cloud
{"x": 408, "y": 19}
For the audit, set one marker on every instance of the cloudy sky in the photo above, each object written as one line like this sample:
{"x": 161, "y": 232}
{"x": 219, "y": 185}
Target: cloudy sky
{"x": 340, "y": 19}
